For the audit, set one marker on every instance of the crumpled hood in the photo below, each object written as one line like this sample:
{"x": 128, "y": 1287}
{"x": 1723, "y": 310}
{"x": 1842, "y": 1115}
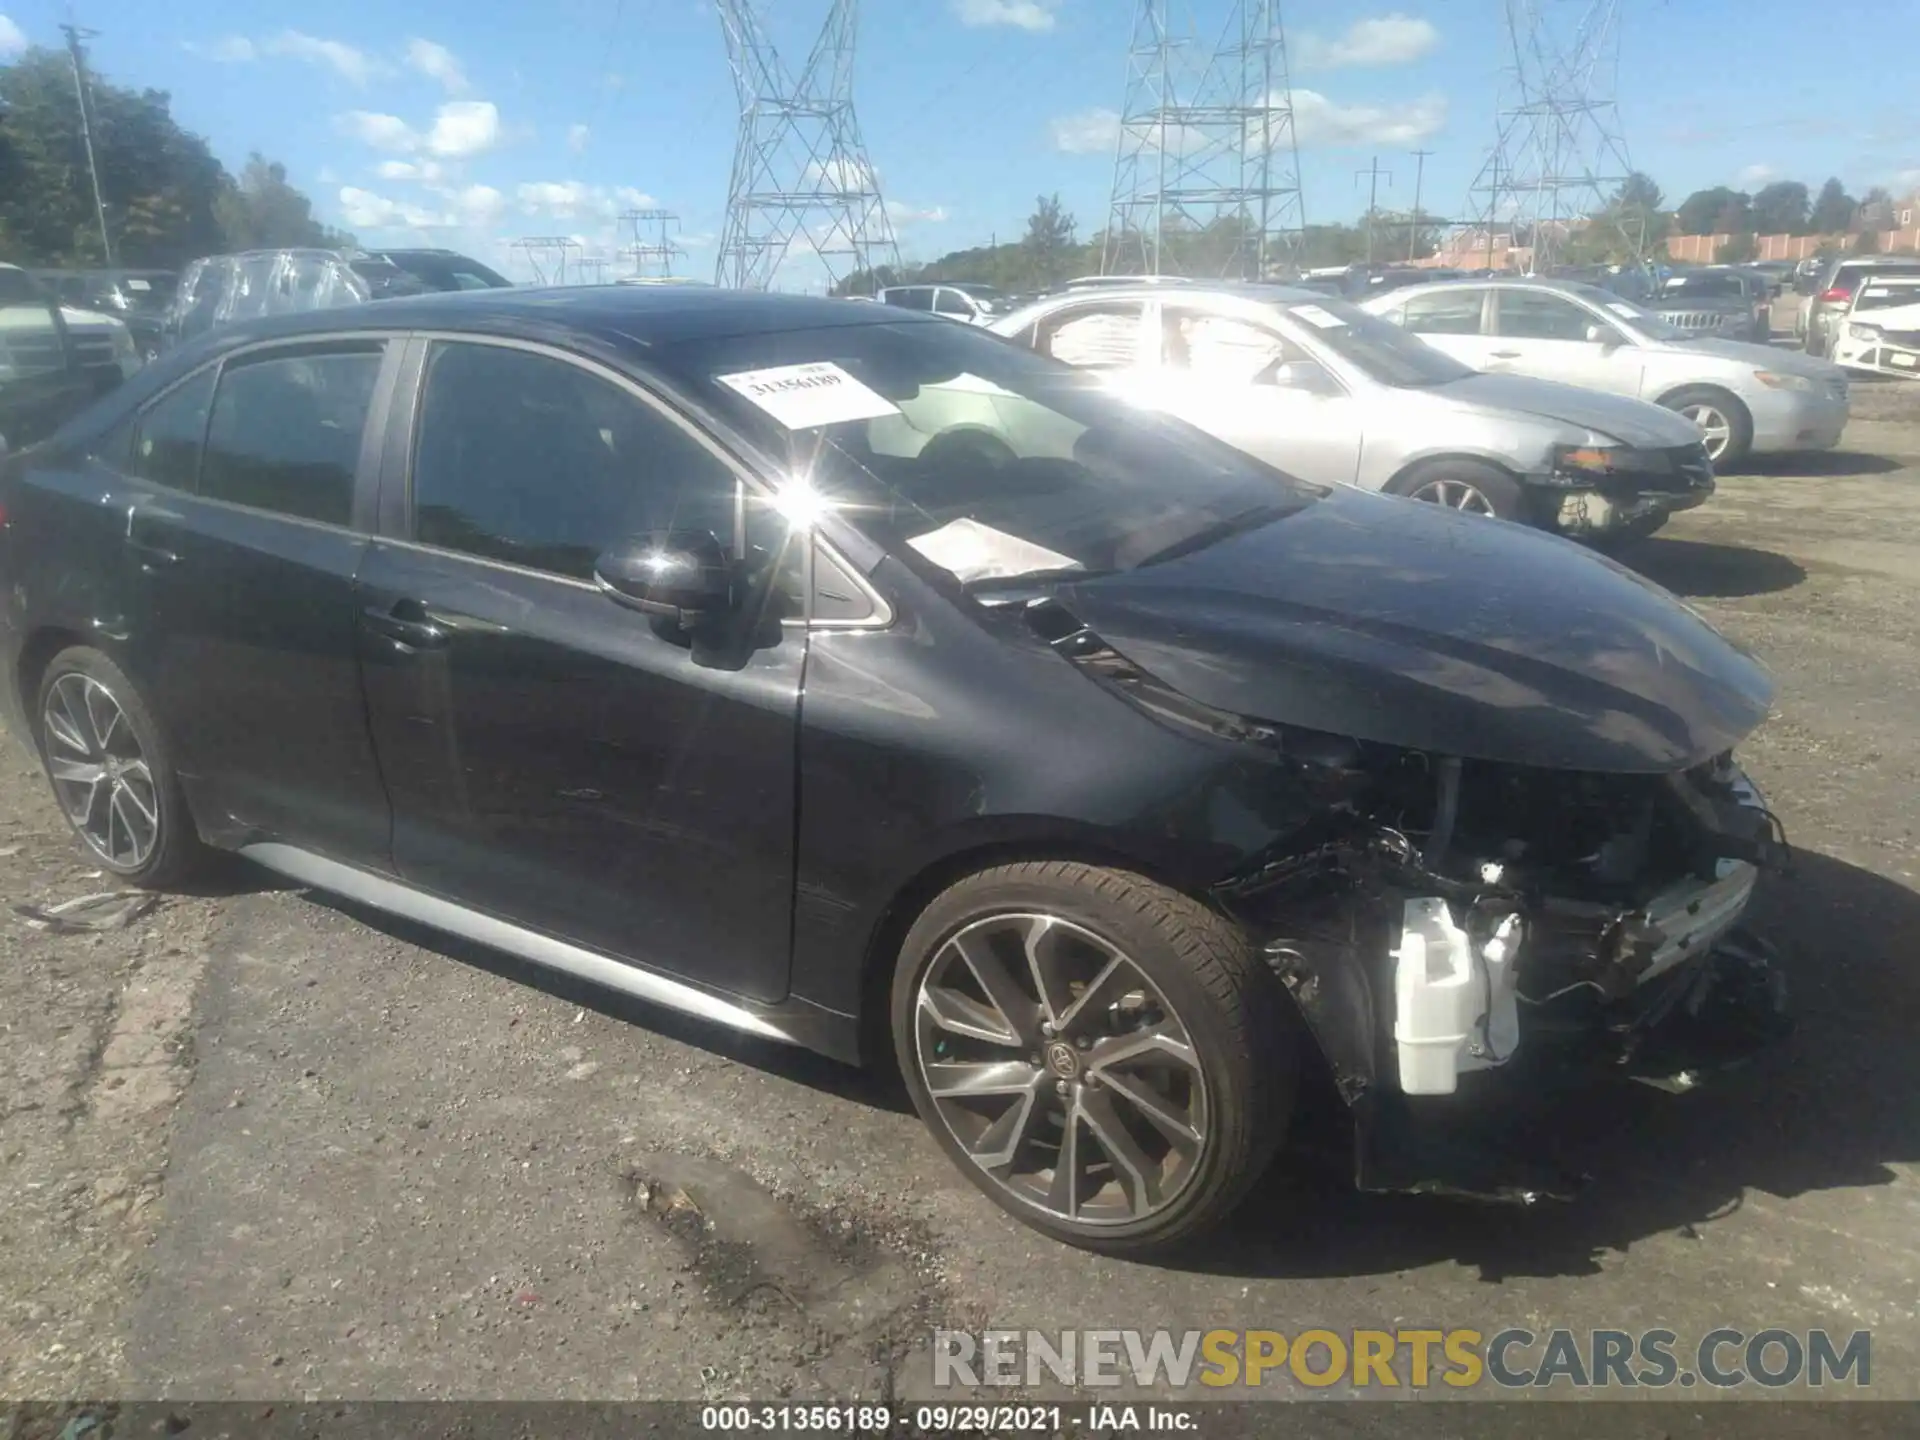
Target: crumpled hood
{"x": 1633, "y": 422}
{"x": 1411, "y": 625}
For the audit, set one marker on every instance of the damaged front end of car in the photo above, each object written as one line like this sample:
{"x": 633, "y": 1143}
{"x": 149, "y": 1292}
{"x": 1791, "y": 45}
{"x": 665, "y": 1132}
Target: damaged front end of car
{"x": 1448, "y": 925}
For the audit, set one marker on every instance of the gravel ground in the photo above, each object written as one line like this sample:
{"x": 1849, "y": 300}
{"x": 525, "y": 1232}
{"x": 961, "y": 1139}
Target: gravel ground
{"x": 255, "y": 1145}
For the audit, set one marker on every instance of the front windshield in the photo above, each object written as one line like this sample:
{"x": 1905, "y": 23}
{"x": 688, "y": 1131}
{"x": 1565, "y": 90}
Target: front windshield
{"x": 1885, "y": 297}
{"x": 1379, "y": 349}
{"x": 978, "y": 455}
{"x": 1705, "y": 287}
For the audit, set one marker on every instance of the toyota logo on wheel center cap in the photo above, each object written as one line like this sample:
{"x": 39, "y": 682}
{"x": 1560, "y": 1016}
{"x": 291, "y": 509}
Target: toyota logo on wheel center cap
{"x": 1062, "y": 1060}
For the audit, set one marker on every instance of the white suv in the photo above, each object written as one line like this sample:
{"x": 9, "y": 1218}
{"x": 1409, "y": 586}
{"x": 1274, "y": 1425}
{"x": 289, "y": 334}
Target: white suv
{"x": 1745, "y": 398}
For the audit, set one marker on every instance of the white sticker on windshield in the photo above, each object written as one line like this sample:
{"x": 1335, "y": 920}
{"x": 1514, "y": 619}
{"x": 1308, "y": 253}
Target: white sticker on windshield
{"x": 138, "y": 285}
{"x": 1314, "y": 315}
{"x": 971, "y": 551}
{"x": 1625, "y": 310}
{"x": 802, "y": 397}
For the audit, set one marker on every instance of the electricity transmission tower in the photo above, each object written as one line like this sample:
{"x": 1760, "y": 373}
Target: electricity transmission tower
{"x": 1560, "y": 157}
{"x": 801, "y": 177}
{"x": 547, "y": 256}
{"x": 661, "y": 252}
{"x": 1206, "y": 174}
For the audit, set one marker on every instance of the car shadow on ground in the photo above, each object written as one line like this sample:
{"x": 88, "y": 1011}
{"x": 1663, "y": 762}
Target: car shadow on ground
{"x": 1818, "y": 464}
{"x": 1703, "y": 570}
{"x": 1831, "y": 1108}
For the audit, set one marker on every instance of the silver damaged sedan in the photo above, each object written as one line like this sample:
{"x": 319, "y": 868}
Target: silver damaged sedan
{"x": 1324, "y": 391}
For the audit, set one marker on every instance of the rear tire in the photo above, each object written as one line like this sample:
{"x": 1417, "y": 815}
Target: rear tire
{"x": 1470, "y": 486}
{"x": 112, "y": 771}
{"x": 1724, "y": 423}
{"x": 1125, "y": 1070}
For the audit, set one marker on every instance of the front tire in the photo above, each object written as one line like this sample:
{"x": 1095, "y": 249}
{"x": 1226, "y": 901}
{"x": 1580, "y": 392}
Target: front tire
{"x": 1470, "y": 486}
{"x": 112, "y": 773}
{"x": 1725, "y": 426}
{"x": 1101, "y": 1055}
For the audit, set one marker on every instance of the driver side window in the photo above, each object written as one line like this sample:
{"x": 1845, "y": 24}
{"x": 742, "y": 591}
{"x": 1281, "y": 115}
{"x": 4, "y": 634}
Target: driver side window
{"x": 1537, "y": 315}
{"x": 534, "y": 461}
{"x": 1219, "y": 347}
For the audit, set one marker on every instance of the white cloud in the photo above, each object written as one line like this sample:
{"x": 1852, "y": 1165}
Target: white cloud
{"x": 1089, "y": 132}
{"x": 902, "y": 213}
{"x": 425, "y": 171}
{"x": 328, "y": 175}
{"x": 382, "y": 132}
{"x": 437, "y": 62}
{"x": 228, "y": 50}
{"x": 1021, "y": 14}
{"x": 1394, "y": 39}
{"x": 464, "y": 127}
{"x": 354, "y": 66}
{"x": 460, "y": 129}
{"x": 479, "y": 204}
{"x": 577, "y": 137}
{"x": 1318, "y": 121}
{"x": 573, "y": 200}
{"x": 12, "y": 38}
{"x": 1757, "y": 174}
{"x": 364, "y": 210}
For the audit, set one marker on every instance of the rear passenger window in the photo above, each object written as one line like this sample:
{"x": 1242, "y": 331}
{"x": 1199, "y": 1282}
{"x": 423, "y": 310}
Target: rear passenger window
{"x": 1449, "y": 312}
{"x": 285, "y": 433}
{"x": 168, "y": 437}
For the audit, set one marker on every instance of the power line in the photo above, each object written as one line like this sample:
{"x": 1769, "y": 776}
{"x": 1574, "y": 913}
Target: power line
{"x": 1559, "y": 157}
{"x": 801, "y": 174}
{"x": 1373, "y": 172}
{"x": 1413, "y": 228}
{"x": 1205, "y": 145}
{"x": 660, "y": 252}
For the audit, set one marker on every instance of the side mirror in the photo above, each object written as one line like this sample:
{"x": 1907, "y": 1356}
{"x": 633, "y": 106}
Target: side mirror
{"x": 683, "y": 575}
{"x": 1303, "y": 376}
{"x": 1604, "y": 336}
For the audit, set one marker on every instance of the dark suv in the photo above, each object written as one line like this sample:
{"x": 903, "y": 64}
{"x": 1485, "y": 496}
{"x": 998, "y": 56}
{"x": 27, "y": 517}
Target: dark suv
{"x": 853, "y": 678}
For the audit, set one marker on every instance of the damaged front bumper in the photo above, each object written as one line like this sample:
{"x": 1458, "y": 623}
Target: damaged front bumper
{"x": 1436, "y": 984}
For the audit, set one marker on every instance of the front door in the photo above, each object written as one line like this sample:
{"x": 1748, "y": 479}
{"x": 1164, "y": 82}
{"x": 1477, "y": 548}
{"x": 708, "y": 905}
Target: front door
{"x": 1258, "y": 391}
{"x": 554, "y": 758}
{"x": 1551, "y": 337}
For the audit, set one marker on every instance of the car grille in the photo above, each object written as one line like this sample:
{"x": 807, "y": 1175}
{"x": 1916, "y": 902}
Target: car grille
{"x": 34, "y": 353}
{"x": 94, "y": 349}
{"x": 1694, "y": 319}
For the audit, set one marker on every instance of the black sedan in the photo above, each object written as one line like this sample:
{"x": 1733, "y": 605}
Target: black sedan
{"x": 855, "y": 679}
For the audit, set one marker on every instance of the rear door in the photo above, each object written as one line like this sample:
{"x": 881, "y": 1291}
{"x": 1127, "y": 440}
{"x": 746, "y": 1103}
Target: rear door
{"x": 249, "y": 484}
{"x": 555, "y": 758}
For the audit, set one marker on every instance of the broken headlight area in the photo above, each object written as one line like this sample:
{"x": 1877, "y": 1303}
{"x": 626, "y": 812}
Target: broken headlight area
{"x": 1458, "y": 919}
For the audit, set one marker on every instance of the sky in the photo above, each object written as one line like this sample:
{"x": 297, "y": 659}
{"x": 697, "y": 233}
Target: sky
{"x": 470, "y": 124}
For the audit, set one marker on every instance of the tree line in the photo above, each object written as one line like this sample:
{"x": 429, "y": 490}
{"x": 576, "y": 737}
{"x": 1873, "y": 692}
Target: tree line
{"x": 1051, "y": 251}
{"x": 1785, "y": 207}
{"x": 168, "y": 199}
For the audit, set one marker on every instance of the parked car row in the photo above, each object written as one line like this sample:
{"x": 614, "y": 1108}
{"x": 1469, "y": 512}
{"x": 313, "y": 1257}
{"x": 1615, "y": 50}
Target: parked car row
{"x": 1135, "y": 778}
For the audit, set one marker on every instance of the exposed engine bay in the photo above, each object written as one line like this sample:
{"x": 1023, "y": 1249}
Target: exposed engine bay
{"x": 1437, "y": 917}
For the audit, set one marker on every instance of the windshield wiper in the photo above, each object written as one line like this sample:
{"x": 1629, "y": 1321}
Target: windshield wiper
{"x": 988, "y": 583}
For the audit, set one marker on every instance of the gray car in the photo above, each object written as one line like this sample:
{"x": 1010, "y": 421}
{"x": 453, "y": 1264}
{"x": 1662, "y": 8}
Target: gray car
{"x": 1744, "y": 397}
{"x": 1320, "y": 389}
{"x": 1716, "y": 300}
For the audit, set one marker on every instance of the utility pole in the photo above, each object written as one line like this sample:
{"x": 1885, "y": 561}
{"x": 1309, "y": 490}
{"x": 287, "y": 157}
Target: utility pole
{"x": 81, "y": 92}
{"x": 1374, "y": 172}
{"x": 1413, "y": 228}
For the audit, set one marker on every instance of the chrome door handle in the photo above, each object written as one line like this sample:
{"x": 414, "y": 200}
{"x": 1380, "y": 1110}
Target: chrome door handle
{"x": 406, "y": 623}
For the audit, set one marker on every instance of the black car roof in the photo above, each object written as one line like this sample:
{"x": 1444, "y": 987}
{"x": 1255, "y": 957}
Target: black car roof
{"x": 635, "y": 314}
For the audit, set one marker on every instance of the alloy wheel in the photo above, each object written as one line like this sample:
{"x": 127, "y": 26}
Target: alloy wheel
{"x": 1060, "y": 1069}
{"x": 1455, "y": 495}
{"x": 99, "y": 773}
{"x": 1716, "y": 430}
